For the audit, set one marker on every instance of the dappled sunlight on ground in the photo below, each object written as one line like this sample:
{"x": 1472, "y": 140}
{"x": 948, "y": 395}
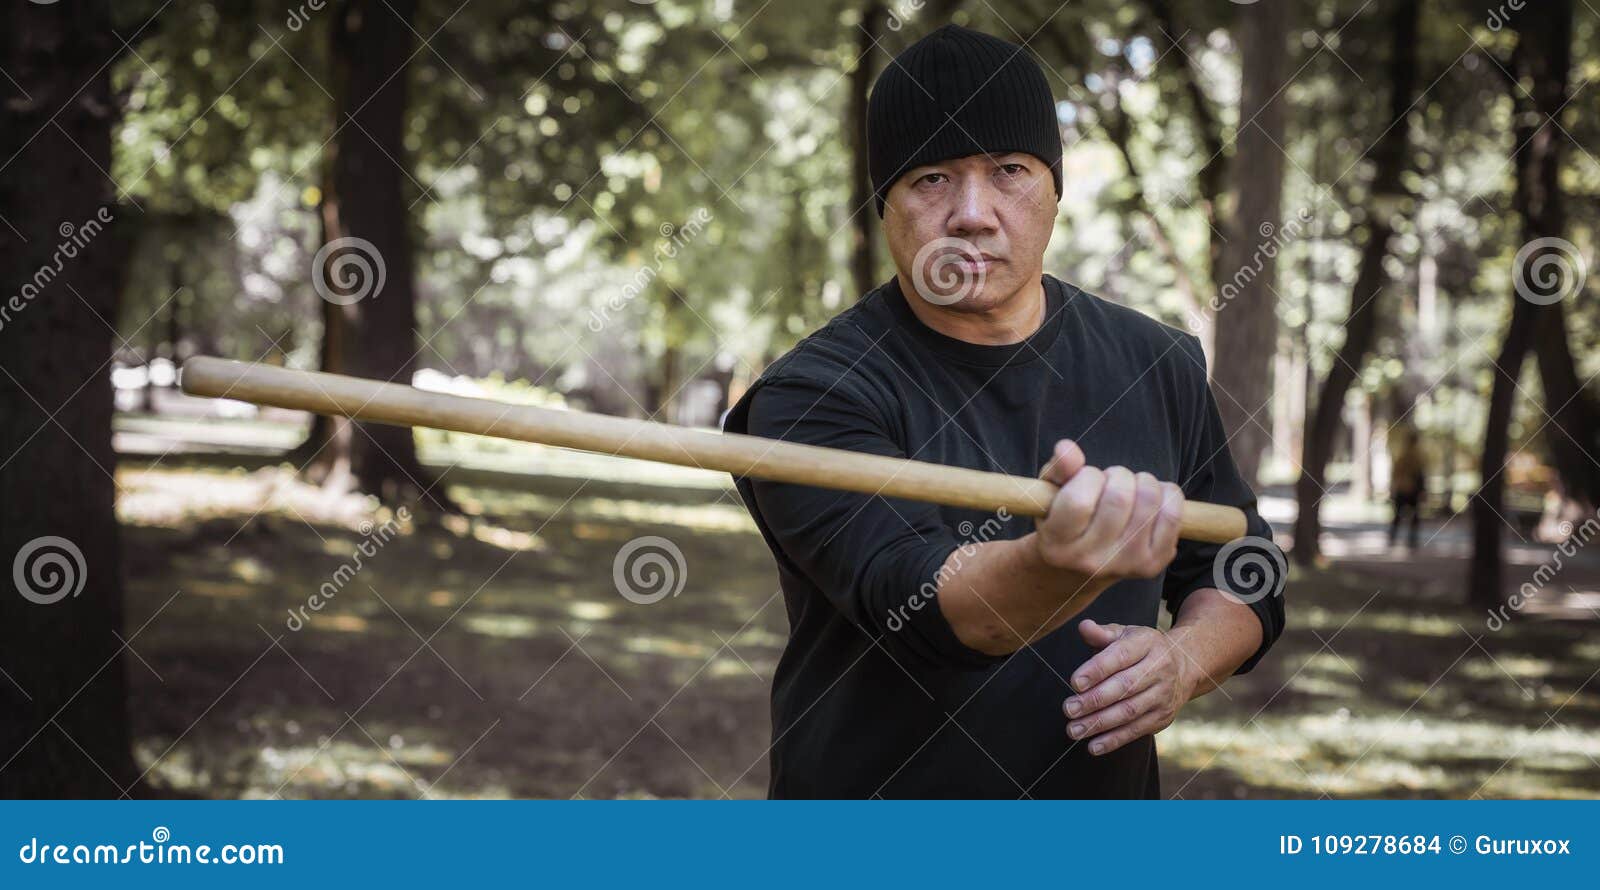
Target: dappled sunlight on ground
{"x": 491, "y": 655}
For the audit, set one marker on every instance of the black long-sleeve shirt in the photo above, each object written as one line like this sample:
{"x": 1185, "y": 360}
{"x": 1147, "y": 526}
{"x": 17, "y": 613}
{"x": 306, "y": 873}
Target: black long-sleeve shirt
{"x": 874, "y": 693}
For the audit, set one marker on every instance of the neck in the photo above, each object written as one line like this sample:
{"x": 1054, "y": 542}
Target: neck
{"x": 1010, "y": 320}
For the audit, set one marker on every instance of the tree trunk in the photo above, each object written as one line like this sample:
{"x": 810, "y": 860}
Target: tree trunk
{"x": 367, "y": 270}
{"x": 175, "y": 307}
{"x": 1246, "y": 318}
{"x": 1361, "y": 448}
{"x": 660, "y": 391}
{"x": 1543, "y": 56}
{"x": 864, "y": 224}
{"x": 1571, "y": 433}
{"x": 65, "y": 732}
{"x": 1390, "y": 155}
{"x": 324, "y": 456}
{"x": 1457, "y": 390}
{"x": 1484, "y": 574}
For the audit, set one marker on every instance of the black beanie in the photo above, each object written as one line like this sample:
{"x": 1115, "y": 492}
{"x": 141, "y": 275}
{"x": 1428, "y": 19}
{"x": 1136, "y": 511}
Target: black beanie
{"x": 959, "y": 92}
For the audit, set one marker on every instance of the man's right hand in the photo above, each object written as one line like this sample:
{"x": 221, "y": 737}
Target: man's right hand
{"x": 1107, "y": 524}
{"x": 1103, "y": 526}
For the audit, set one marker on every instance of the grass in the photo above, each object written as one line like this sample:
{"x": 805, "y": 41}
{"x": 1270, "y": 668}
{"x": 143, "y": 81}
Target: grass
{"x": 492, "y": 656}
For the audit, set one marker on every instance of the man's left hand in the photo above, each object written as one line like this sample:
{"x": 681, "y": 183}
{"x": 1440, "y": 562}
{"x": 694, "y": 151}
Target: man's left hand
{"x": 1132, "y": 688}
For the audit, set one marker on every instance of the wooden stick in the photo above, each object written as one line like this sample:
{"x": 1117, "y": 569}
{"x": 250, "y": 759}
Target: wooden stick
{"x": 753, "y": 456}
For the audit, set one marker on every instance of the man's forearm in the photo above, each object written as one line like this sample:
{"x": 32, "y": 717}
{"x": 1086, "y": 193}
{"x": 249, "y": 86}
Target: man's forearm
{"x": 1102, "y": 526}
{"x": 1001, "y": 595}
{"x": 1217, "y": 634}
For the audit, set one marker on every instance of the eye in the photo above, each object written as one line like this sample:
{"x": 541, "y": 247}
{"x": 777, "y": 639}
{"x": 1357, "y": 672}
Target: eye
{"x": 1014, "y": 170}
{"x": 931, "y": 178}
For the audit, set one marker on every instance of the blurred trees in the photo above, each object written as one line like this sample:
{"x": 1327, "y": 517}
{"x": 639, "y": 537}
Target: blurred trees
{"x": 1247, "y": 284}
{"x": 1388, "y": 200}
{"x": 1537, "y": 81}
{"x": 633, "y": 207}
{"x": 549, "y": 149}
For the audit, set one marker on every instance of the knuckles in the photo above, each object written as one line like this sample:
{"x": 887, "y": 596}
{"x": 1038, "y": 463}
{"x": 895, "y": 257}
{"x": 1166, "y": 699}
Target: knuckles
{"x": 1135, "y": 552}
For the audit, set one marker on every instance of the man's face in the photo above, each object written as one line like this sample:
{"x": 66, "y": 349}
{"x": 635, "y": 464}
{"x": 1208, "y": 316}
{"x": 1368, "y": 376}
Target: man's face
{"x": 970, "y": 233}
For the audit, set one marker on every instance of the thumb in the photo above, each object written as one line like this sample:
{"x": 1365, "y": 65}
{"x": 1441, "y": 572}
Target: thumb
{"x": 1099, "y": 635}
{"x": 1065, "y": 462}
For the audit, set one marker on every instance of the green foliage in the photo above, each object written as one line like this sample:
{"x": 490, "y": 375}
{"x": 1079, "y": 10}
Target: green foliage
{"x": 550, "y": 145}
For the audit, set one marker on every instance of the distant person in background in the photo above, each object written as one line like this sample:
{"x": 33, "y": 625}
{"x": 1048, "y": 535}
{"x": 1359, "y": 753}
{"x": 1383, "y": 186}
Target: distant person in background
{"x": 1408, "y": 483}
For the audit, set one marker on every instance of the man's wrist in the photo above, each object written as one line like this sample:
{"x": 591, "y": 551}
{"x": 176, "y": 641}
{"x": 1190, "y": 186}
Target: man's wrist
{"x": 1073, "y": 582}
{"x": 1181, "y": 637}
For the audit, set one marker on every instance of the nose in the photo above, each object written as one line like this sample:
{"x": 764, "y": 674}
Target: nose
{"x": 974, "y": 211}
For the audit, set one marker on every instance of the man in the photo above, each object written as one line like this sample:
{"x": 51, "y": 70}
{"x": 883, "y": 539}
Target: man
{"x": 939, "y": 652}
{"x": 1408, "y": 485}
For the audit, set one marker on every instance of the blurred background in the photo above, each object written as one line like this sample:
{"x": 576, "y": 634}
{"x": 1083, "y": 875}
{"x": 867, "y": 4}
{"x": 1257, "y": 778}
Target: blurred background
{"x": 1379, "y": 217}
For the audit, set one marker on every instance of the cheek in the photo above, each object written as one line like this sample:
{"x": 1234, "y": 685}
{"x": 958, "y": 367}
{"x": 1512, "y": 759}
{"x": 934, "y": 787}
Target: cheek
{"x": 1033, "y": 227}
{"x": 907, "y": 232}
{"x": 902, "y": 241}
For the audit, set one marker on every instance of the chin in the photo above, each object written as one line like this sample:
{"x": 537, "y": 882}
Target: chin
{"x": 994, "y": 294}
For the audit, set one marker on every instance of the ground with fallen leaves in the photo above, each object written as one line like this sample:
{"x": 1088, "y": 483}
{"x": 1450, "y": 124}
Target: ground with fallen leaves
{"x": 491, "y": 655}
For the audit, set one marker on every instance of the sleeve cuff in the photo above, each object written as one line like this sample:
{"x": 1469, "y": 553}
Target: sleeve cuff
{"x": 918, "y": 626}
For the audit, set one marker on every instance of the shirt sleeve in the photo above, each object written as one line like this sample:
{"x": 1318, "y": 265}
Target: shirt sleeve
{"x": 1252, "y": 568}
{"x": 875, "y": 558}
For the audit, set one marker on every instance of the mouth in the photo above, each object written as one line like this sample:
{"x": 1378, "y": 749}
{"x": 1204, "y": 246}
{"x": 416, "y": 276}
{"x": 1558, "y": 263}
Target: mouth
{"x": 976, "y": 263}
